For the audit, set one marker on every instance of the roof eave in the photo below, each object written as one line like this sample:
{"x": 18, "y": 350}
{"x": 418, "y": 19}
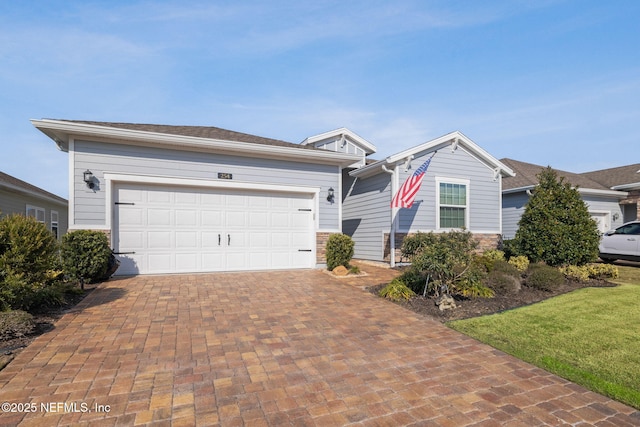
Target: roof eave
{"x": 632, "y": 186}
{"x": 28, "y": 192}
{"x": 61, "y": 132}
{"x": 402, "y": 156}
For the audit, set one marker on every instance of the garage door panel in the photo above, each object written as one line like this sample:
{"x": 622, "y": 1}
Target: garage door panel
{"x": 175, "y": 229}
{"x": 211, "y": 239}
{"x": 159, "y": 239}
{"x": 259, "y": 240}
{"x": 159, "y": 196}
{"x": 186, "y": 239}
{"x": 158, "y": 217}
{"x": 212, "y": 261}
{"x": 186, "y": 197}
{"x": 280, "y": 220}
{"x": 259, "y": 220}
{"x": 131, "y": 240}
{"x": 236, "y": 219}
{"x": 186, "y": 218}
{"x": 160, "y": 262}
{"x": 132, "y": 216}
{"x": 187, "y": 262}
{"x": 212, "y": 219}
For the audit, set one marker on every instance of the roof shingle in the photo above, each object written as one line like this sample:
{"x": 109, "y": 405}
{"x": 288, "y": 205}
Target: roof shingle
{"x": 208, "y": 132}
{"x": 526, "y": 176}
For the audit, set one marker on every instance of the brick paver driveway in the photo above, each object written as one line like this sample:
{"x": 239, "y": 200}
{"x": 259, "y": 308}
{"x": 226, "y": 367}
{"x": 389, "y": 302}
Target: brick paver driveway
{"x": 281, "y": 348}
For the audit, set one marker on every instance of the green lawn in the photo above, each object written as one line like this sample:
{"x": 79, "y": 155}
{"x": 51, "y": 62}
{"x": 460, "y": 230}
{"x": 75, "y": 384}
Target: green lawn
{"x": 590, "y": 336}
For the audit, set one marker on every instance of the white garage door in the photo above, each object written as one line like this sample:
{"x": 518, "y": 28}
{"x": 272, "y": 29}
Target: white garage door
{"x": 163, "y": 229}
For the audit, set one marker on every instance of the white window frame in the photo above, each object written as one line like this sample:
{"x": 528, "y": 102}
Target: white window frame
{"x": 37, "y": 210}
{"x": 55, "y": 224}
{"x": 458, "y": 181}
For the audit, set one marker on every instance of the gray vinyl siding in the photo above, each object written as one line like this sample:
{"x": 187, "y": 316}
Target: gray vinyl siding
{"x": 16, "y": 203}
{"x": 102, "y": 157}
{"x": 366, "y": 213}
{"x": 484, "y": 191}
{"x": 513, "y": 205}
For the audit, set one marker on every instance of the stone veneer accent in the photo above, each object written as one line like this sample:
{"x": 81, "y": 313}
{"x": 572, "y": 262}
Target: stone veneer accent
{"x": 485, "y": 242}
{"x": 321, "y": 247}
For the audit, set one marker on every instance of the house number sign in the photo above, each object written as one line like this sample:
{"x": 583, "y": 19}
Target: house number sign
{"x": 222, "y": 175}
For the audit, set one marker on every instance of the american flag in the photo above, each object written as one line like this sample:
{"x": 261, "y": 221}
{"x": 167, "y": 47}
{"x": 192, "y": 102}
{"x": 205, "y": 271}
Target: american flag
{"x": 407, "y": 193}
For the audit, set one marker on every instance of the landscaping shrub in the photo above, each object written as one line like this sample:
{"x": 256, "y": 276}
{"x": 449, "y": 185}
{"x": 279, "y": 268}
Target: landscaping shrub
{"x": 556, "y": 226}
{"x": 414, "y": 279}
{"x": 520, "y": 262}
{"x": 413, "y": 244}
{"x": 510, "y": 248}
{"x": 505, "y": 268}
{"x": 590, "y": 271}
{"x": 490, "y": 257}
{"x": 28, "y": 255}
{"x": 544, "y": 277}
{"x": 503, "y": 283}
{"x": 448, "y": 260}
{"x": 85, "y": 255}
{"x": 15, "y": 323}
{"x": 396, "y": 291}
{"x": 339, "y": 250}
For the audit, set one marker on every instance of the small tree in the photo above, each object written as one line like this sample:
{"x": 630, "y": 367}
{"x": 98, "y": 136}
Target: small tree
{"x": 85, "y": 255}
{"x": 556, "y": 226}
{"x": 339, "y": 250}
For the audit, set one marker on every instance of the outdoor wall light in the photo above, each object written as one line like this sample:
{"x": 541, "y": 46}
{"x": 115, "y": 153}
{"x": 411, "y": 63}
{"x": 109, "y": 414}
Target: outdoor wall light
{"x": 616, "y": 216}
{"x": 330, "y": 195}
{"x": 88, "y": 178}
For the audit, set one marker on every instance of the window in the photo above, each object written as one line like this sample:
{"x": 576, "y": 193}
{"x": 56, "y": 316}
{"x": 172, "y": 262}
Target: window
{"x": 36, "y": 212}
{"x": 452, "y": 203}
{"x": 54, "y": 223}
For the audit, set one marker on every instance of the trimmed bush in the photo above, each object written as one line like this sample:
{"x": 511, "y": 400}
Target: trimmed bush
{"x": 339, "y": 251}
{"x": 28, "y": 255}
{"x": 520, "y": 262}
{"x": 85, "y": 255}
{"x": 396, "y": 291}
{"x": 507, "y": 269}
{"x": 544, "y": 277}
{"x": 488, "y": 258}
{"x": 503, "y": 283}
{"x": 590, "y": 271}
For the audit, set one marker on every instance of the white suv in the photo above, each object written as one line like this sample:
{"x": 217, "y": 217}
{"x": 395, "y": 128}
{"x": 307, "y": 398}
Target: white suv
{"x": 621, "y": 243}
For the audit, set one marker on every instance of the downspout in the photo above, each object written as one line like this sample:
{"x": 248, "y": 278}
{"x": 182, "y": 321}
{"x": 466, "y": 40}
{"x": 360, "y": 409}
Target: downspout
{"x": 392, "y": 233}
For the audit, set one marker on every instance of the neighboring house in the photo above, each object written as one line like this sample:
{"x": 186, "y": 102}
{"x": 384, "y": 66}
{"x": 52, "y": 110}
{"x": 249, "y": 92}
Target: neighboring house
{"x": 623, "y": 178}
{"x": 603, "y": 203}
{"x": 19, "y": 197}
{"x": 461, "y": 189}
{"x": 178, "y": 199}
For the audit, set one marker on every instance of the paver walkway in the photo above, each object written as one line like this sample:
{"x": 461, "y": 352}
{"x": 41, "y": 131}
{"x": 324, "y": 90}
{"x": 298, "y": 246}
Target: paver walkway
{"x": 271, "y": 349}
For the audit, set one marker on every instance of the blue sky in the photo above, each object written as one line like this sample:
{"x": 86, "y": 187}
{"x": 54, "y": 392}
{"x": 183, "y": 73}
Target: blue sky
{"x": 549, "y": 82}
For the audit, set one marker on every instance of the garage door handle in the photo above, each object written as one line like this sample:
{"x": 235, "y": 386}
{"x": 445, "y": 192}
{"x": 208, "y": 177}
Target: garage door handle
{"x": 124, "y": 253}
{"x": 228, "y": 239}
{"x": 219, "y": 240}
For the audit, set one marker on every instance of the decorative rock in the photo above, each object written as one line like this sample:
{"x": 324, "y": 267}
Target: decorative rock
{"x": 445, "y": 302}
{"x": 340, "y": 270}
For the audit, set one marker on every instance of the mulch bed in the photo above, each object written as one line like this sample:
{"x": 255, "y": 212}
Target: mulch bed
{"x": 467, "y": 308}
{"x": 44, "y": 322}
